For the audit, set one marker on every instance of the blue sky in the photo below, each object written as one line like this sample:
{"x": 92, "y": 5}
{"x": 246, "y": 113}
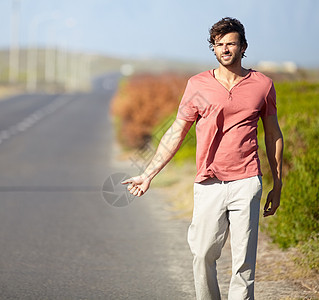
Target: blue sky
{"x": 277, "y": 30}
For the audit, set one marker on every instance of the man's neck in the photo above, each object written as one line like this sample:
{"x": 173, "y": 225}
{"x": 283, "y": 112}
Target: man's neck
{"x": 230, "y": 73}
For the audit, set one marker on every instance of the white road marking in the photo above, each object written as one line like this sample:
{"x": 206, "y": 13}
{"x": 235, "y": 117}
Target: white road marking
{"x": 33, "y": 118}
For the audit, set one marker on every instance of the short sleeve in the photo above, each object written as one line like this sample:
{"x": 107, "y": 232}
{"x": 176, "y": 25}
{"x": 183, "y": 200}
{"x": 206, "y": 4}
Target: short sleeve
{"x": 187, "y": 110}
{"x": 270, "y": 107}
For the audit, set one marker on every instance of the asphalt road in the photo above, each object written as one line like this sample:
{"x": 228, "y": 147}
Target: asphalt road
{"x": 59, "y": 237}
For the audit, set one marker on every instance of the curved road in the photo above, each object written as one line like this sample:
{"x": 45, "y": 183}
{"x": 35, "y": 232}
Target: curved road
{"x": 59, "y": 238}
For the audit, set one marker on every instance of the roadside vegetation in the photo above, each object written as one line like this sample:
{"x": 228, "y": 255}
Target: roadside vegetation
{"x": 145, "y": 106}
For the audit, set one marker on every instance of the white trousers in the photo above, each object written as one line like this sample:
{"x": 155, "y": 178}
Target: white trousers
{"x": 220, "y": 207}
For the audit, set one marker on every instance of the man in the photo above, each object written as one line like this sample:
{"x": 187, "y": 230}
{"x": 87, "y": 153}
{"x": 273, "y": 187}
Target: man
{"x": 226, "y": 104}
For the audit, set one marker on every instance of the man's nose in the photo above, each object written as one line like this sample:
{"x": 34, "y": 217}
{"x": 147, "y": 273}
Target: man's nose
{"x": 225, "y": 48}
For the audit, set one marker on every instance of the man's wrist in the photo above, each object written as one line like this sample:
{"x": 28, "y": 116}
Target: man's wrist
{"x": 278, "y": 184}
{"x": 147, "y": 176}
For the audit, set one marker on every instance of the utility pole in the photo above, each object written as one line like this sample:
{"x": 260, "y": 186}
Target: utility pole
{"x": 14, "y": 45}
{"x": 32, "y": 55}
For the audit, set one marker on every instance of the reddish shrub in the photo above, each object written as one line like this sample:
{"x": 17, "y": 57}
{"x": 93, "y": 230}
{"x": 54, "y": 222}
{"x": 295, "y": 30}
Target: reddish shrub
{"x": 142, "y": 102}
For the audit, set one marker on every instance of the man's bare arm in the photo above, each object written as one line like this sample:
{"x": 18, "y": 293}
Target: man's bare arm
{"x": 168, "y": 146}
{"x": 274, "y": 148}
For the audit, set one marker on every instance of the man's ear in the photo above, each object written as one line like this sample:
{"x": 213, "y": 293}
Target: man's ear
{"x": 243, "y": 49}
{"x": 213, "y": 51}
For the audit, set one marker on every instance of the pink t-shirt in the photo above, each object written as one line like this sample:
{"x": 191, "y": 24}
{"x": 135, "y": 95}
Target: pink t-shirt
{"x": 226, "y": 123}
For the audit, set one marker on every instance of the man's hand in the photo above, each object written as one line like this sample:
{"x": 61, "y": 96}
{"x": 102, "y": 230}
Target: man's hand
{"x": 138, "y": 185}
{"x": 272, "y": 203}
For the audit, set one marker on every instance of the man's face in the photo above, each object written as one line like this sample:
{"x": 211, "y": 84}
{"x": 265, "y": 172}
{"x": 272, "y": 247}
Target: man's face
{"x": 228, "y": 50}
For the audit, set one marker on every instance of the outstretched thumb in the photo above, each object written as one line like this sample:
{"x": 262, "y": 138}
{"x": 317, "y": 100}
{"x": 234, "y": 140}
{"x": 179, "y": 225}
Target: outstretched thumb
{"x": 130, "y": 180}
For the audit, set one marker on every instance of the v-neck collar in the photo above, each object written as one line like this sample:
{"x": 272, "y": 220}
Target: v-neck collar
{"x": 212, "y": 73}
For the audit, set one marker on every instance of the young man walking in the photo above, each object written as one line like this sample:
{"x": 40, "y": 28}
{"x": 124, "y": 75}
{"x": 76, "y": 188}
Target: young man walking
{"x": 226, "y": 104}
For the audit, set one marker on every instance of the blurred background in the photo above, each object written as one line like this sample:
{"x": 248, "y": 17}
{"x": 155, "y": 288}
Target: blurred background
{"x": 88, "y": 89}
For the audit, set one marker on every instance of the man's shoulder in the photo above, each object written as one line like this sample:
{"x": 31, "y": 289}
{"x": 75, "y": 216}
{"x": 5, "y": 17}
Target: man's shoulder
{"x": 200, "y": 77}
{"x": 260, "y": 77}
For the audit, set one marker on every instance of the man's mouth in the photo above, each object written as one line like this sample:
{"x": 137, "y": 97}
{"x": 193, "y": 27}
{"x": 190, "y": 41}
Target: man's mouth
{"x": 226, "y": 56}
